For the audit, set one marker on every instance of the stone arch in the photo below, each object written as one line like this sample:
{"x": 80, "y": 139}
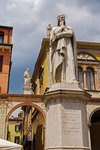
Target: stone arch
{"x": 25, "y": 104}
{"x": 95, "y": 128}
{"x": 91, "y": 114}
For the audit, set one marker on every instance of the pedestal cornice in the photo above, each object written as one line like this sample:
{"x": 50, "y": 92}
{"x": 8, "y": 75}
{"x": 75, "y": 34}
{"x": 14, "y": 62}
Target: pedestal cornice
{"x": 70, "y": 95}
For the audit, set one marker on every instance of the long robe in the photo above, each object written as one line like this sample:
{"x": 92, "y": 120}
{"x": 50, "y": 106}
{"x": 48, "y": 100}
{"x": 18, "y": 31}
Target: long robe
{"x": 63, "y": 55}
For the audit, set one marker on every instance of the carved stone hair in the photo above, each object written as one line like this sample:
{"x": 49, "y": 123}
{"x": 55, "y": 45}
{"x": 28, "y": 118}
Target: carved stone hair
{"x": 58, "y": 19}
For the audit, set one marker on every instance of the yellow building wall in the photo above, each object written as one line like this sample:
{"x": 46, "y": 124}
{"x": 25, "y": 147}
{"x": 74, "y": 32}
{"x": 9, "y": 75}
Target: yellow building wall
{"x": 96, "y": 55}
{"x": 12, "y": 131}
{"x": 38, "y": 91}
{"x": 45, "y": 75}
{"x": 38, "y": 120}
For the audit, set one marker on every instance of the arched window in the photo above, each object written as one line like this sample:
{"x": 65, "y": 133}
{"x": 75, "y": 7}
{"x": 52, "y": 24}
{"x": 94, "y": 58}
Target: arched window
{"x": 1, "y": 63}
{"x": 1, "y": 37}
{"x": 90, "y": 78}
{"x": 80, "y": 76}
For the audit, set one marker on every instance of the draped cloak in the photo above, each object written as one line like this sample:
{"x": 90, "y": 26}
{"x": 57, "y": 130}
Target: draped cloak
{"x": 63, "y": 56}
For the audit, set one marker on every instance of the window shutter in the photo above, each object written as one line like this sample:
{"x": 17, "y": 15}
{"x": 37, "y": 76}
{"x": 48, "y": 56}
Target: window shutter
{"x": 1, "y": 63}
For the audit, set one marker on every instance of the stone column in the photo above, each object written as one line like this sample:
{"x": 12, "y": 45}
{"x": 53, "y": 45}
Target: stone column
{"x": 84, "y": 76}
{"x": 96, "y": 80}
{"x": 66, "y": 121}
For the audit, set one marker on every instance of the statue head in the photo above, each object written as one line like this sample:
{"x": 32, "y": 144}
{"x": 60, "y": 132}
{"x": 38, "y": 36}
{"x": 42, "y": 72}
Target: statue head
{"x": 27, "y": 69}
{"x": 61, "y": 18}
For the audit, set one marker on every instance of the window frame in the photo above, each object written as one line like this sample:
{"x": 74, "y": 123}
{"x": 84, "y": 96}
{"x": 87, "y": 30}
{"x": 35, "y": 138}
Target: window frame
{"x": 90, "y": 79}
{"x": 1, "y": 37}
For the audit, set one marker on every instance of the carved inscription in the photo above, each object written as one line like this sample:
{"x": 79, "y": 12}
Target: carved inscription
{"x": 71, "y": 120}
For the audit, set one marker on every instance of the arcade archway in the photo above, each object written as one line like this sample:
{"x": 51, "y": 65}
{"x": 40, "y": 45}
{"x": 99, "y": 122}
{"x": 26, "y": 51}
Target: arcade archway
{"x": 26, "y": 104}
{"x": 31, "y": 127}
{"x": 95, "y": 130}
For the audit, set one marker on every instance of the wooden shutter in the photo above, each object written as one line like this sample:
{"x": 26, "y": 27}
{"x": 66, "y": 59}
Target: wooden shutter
{"x": 1, "y": 63}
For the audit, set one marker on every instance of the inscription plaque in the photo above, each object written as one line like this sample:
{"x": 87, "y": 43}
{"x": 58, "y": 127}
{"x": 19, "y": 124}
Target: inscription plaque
{"x": 71, "y": 123}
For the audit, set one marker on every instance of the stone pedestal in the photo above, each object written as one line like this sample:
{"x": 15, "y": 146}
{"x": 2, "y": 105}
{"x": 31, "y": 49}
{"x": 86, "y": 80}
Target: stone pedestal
{"x": 27, "y": 90}
{"x": 66, "y": 121}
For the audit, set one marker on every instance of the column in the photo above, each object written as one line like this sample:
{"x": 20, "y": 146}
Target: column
{"x": 84, "y": 76}
{"x": 95, "y": 79}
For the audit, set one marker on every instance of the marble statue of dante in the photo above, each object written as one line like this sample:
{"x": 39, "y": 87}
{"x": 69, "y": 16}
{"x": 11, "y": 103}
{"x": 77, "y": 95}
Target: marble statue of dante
{"x": 63, "y": 55}
{"x": 27, "y": 78}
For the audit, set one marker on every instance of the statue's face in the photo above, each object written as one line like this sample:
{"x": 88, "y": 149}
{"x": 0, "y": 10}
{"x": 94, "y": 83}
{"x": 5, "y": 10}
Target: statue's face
{"x": 62, "y": 20}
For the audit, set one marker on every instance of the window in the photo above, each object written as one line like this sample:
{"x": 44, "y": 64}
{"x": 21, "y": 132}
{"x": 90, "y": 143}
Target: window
{"x": 1, "y": 37}
{"x": 90, "y": 78}
{"x": 17, "y": 128}
{"x": 1, "y": 63}
{"x": 17, "y": 139}
{"x": 80, "y": 77}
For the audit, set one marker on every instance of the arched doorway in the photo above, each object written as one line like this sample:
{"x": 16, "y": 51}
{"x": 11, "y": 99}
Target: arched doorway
{"x": 95, "y": 130}
{"x": 32, "y": 127}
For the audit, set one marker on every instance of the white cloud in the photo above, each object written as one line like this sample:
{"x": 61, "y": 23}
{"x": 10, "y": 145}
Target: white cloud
{"x": 83, "y": 21}
{"x": 30, "y": 18}
{"x": 74, "y": 14}
{"x": 38, "y": 4}
{"x": 11, "y": 6}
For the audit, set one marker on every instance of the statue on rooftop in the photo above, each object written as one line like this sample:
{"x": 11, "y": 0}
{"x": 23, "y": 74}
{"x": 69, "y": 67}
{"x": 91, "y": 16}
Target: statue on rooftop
{"x": 48, "y": 30}
{"x": 63, "y": 54}
{"x": 27, "y": 78}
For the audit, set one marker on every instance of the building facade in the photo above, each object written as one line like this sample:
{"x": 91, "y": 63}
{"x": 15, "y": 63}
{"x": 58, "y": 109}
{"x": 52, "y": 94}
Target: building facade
{"x": 14, "y": 132}
{"x": 33, "y": 129}
{"x": 88, "y": 60}
{"x": 5, "y": 57}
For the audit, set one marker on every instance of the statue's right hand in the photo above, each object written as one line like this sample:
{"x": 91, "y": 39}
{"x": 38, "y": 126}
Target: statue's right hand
{"x": 62, "y": 27}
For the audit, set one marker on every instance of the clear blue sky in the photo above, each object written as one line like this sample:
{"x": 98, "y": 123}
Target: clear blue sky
{"x": 29, "y": 19}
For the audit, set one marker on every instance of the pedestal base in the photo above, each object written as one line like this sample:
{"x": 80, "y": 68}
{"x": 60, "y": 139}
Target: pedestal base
{"x": 66, "y": 127}
{"x": 67, "y": 148}
{"x": 27, "y": 90}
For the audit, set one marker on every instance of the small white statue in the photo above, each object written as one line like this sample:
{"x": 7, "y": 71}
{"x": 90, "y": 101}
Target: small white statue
{"x": 27, "y": 78}
{"x": 63, "y": 65}
{"x": 48, "y": 30}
